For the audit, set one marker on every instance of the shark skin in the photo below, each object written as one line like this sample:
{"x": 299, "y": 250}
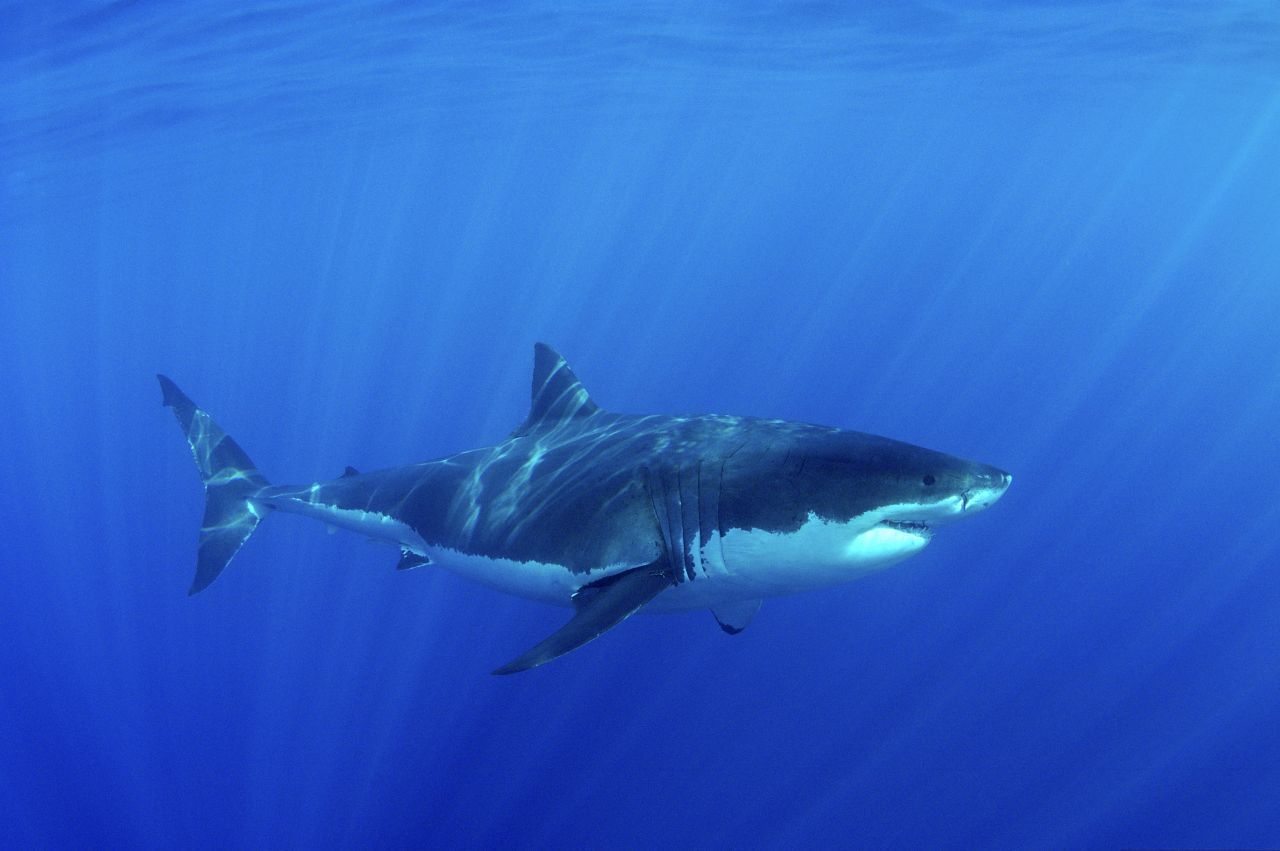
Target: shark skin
{"x": 610, "y": 514}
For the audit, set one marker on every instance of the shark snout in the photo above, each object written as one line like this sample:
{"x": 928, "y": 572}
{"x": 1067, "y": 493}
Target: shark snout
{"x": 988, "y": 485}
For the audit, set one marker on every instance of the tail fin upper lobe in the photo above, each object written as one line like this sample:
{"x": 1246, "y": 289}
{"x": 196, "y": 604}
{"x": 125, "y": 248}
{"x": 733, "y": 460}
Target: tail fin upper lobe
{"x": 231, "y": 481}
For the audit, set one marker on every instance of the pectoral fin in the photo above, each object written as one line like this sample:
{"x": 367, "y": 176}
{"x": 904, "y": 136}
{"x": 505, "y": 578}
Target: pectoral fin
{"x": 409, "y": 560}
{"x": 608, "y": 605}
{"x": 734, "y": 617}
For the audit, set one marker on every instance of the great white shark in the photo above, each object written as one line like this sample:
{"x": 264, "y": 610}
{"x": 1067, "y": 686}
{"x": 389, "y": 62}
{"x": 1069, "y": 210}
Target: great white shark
{"x": 613, "y": 513}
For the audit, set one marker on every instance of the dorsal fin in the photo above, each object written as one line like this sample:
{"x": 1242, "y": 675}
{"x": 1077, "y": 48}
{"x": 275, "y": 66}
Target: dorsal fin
{"x": 558, "y": 395}
{"x": 349, "y": 472}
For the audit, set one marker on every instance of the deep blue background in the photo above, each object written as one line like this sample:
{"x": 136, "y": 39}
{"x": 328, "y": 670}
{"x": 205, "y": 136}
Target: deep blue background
{"x": 1043, "y": 236}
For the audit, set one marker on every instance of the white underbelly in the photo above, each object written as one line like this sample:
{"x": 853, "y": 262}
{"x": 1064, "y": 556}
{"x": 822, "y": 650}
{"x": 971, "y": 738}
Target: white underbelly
{"x": 756, "y": 564}
{"x": 739, "y": 565}
{"x": 547, "y": 583}
{"x": 556, "y": 584}
{"x": 819, "y": 554}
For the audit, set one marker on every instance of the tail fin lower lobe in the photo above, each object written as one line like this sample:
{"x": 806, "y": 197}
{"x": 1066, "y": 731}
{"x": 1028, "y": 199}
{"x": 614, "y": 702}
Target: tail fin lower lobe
{"x": 230, "y": 479}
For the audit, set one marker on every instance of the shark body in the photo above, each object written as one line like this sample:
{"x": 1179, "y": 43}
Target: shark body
{"x": 612, "y": 513}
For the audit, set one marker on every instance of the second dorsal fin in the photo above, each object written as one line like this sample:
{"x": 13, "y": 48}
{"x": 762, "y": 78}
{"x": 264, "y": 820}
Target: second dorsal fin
{"x": 558, "y": 395}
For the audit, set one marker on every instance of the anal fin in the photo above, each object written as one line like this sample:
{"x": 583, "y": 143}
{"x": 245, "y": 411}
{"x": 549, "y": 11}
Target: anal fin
{"x": 606, "y": 607}
{"x": 734, "y": 617}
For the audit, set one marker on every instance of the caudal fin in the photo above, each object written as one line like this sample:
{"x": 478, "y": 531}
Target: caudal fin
{"x": 230, "y": 479}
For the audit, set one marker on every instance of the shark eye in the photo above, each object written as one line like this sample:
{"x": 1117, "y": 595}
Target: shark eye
{"x": 929, "y": 479}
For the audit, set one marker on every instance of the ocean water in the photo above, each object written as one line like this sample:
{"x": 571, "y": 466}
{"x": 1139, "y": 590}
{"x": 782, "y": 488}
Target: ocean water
{"x": 1041, "y": 235}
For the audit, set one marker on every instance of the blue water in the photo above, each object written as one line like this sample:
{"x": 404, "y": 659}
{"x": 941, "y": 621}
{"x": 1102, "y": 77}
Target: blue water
{"x": 1045, "y": 236}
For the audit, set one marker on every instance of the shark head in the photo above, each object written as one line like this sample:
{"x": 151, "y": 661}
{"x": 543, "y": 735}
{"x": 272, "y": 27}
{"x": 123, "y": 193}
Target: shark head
{"x": 922, "y": 488}
{"x": 825, "y": 506}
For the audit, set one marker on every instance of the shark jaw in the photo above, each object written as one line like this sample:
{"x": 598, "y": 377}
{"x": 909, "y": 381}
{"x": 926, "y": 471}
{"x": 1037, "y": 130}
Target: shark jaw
{"x": 820, "y": 552}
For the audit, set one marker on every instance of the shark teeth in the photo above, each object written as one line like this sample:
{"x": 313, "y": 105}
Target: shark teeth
{"x": 912, "y": 526}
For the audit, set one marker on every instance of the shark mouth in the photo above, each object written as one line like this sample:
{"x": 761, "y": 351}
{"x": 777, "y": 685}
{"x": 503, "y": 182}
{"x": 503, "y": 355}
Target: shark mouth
{"x": 911, "y": 527}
